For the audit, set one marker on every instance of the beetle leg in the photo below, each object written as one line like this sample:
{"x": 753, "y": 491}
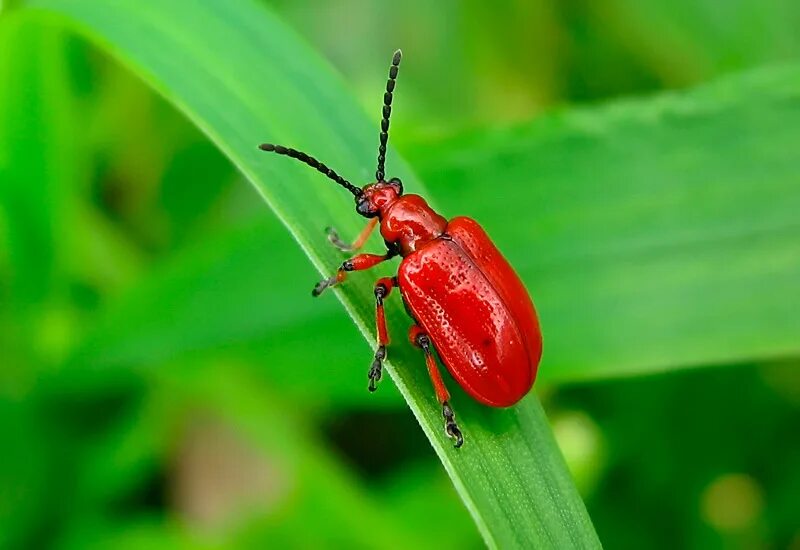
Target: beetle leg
{"x": 359, "y": 262}
{"x": 383, "y": 288}
{"x": 333, "y": 237}
{"x": 422, "y": 340}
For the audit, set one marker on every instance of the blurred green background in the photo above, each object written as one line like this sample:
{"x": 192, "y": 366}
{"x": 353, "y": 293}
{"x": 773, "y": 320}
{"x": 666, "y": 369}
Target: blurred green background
{"x": 151, "y": 393}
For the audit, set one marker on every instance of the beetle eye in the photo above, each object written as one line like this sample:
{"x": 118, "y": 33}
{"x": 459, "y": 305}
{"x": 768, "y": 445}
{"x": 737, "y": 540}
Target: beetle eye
{"x": 397, "y": 183}
{"x": 363, "y": 208}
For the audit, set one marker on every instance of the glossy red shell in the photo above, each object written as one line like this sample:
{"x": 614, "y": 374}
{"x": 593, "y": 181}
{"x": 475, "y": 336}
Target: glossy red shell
{"x": 467, "y": 297}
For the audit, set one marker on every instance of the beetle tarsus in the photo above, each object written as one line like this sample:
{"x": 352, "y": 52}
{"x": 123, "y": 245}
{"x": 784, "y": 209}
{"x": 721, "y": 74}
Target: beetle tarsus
{"x": 450, "y": 426}
{"x": 323, "y": 284}
{"x": 376, "y": 370}
{"x": 335, "y": 240}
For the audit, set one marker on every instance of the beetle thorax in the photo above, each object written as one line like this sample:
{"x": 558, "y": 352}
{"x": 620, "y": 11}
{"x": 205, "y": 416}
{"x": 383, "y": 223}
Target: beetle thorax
{"x": 409, "y": 223}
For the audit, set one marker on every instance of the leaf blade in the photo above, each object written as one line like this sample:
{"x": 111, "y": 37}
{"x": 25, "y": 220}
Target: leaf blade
{"x": 216, "y": 75}
{"x": 656, "y": 233}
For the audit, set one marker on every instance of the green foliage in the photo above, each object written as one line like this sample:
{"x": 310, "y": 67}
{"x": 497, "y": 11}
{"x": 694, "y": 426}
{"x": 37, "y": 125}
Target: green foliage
{"x": 166, "y": 379}
{"x": 626, "y": 213}
{"x": 235, "y": 99}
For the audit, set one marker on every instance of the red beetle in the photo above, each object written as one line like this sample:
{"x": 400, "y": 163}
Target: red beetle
{"x": 466, "y": 300}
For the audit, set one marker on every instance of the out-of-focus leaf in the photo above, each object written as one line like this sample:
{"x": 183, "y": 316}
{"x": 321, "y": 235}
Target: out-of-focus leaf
{"x": 687, "y": 40}
{"x": 38, "y": 169}
{"x": 416, "y": 495}
{"x": 653, "y": 234}
{"x": 213, "y": 425}
{"x": 243, "y": 77}
{"x": 210, "y": 299}
{"x": 708, "y": 178}
{"x": 151, "y": 532}
{"x": 23, "y": 477}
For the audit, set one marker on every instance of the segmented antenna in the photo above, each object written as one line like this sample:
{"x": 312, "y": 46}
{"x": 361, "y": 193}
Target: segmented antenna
{"x": 387, "y": 112}
{"x": 313, "y": 163}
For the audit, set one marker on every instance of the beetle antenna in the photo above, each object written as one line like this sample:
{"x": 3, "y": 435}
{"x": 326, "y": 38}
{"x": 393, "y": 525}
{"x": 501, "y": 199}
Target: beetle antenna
{"x": 313, "y": 163}
{"x": 387, "y": 111}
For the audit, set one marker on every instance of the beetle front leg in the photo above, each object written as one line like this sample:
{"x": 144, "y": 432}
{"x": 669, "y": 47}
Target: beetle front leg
{"x": 333, "y": 237}
{"x": 356, "y": 263}
{"x": 420, "y": 339}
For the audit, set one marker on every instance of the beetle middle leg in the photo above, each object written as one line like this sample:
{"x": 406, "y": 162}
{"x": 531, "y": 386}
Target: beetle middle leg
{"x": 359, "y": 262}
{"x": 420, "y": 339}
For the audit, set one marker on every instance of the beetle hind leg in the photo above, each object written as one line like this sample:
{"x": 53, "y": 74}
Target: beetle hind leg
{"x": 382, "y": 289}
{"x": 420, "y": 339}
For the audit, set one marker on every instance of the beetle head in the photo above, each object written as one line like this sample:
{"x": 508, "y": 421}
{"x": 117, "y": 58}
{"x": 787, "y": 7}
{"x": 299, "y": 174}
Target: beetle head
{"x": 376, "y": 197}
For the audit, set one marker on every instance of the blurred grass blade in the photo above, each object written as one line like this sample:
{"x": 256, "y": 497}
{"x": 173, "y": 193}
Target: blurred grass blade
{"x": 689, "y": 40}
{"x": 213, "y": 293}
{"x": 253, "y": 442}
{"x": 709, "y": 179}
{"x": 37, "y": 163}
{"x": 243, "y": 77}
{"x": 39, "y": 169}
{"x": 711, "y": 276}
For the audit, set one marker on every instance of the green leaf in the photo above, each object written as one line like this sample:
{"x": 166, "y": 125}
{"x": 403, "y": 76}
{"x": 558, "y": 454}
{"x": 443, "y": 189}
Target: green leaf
{"x": 653, "y": 234}
{"x": 36, "y": 167}
{"x": 690, "y": 39}
{"x": 208, "y": 300}
{"x": 709, "y": 273}
{"x": 240, "y": 424}
{"x": 38, "y": 173}
{"x": 242, "y": 77}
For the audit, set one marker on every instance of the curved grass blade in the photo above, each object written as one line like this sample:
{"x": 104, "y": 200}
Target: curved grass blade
{"x": 242, "y": 77}
{"x": 708, "y": 179}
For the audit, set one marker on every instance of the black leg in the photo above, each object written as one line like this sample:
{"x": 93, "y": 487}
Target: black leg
{"x": 450, "y": 426}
